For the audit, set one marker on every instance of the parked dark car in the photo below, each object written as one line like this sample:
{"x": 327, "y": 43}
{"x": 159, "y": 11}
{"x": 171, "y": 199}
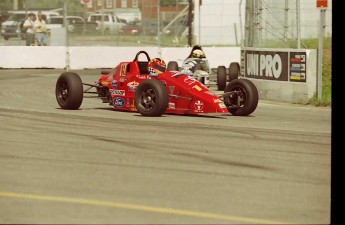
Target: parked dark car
{"x": 132, "y": 28}
{"x": 10, "y": 27}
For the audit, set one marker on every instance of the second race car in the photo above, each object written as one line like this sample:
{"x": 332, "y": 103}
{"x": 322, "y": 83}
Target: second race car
{"x": 196, "y": 65}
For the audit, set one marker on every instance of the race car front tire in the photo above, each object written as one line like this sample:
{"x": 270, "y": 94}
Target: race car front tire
{"x": 69, "y": 90}
{"x": 151, "y": 98}
{"x": 244, "y": 98}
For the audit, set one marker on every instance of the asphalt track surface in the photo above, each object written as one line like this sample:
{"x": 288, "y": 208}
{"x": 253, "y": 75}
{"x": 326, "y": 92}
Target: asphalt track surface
{"x": 97, "y": 165}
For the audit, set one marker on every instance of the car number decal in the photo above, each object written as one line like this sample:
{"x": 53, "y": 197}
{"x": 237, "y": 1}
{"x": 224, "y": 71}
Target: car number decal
{"x": 123, "y": 69}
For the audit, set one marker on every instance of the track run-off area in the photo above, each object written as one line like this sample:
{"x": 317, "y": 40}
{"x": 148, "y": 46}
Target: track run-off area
{"x": 98, "y": 165}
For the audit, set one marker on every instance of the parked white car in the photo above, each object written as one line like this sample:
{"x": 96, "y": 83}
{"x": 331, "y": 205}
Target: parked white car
{"x": 110, "y": 23}
{"x": 57, "y": 22}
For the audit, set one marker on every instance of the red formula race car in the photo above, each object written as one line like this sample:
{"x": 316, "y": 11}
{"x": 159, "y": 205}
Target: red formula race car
{"x": 148, "y": 88}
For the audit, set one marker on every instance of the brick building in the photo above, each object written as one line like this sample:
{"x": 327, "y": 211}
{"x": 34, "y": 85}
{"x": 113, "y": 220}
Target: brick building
{"x": 144, "y": 10}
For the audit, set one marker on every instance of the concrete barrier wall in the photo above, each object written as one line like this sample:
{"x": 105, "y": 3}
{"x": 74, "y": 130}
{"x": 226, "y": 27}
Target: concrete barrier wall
{"x": 14, "y": 57}
{"x": 104, "y": 57}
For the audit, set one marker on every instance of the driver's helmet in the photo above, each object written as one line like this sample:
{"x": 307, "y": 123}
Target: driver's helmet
{"x": 156, "y": 66}
{"x": 197, "y": 53}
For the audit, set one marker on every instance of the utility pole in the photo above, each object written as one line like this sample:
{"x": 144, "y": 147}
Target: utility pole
{"x": 260, "y": 23}
{"x": 322, "y": 5}
{"x": 241, "y": 27}
{"x": 66, "y": 33}
{"x": 256, "y": 23}
{"x": 320, "y": 51}
{"x": 15, "y": 5}
{"x": 298, "y": 11}
{"x": 286, "y": 20}
{"x": 199, "y": 21}
{"x": 250, "y": 22}
{"x": 102, "y": 18}
{"x": 26, "y": 7}
{"x": 117, "y": 24}
{"x": 190, "y": 16}
{"x": 159, "y": 28}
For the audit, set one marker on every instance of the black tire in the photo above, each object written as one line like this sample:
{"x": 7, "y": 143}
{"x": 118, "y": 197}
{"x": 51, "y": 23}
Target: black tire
{"x": 221, "y": 78}
{"x": 234, "y": 71}
{"x": 151, "y": 98}
{"x": 172, "y": 66}
{"x": 244, "y": 99}
{"x": 69, "y": 91}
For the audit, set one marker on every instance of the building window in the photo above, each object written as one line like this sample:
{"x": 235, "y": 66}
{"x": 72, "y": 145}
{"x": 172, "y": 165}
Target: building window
{"x": 135, "y": 4}
{"x": 109, "y": 4}
{"x": 99, "y": 2}
{"x": 123, "y": 3}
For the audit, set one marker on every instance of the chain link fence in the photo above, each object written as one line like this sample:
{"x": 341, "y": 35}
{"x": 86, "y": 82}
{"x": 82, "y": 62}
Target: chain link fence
{"x": 104, "y": 23}
{"x": 272, "y": 23}
{"x": 247, "y": 23}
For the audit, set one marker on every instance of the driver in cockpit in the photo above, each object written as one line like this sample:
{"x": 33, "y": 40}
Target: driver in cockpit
{"x": 156, "y": 66}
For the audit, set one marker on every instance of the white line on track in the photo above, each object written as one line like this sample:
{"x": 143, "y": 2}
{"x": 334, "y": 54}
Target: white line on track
{"x": 138, "y": 207}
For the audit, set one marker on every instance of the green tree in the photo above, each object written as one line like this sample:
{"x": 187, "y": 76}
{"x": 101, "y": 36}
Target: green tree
{"x": 6, "y": 5}
{"x": 74, "y": 7}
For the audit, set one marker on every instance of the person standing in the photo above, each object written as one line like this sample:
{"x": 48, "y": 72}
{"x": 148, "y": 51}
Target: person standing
{"x": 29, "y": 26}
{"x": 41, "y": 30}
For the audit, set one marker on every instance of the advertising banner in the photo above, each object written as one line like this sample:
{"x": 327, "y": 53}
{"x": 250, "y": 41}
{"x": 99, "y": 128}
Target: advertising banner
{"x": 274, "y": 65}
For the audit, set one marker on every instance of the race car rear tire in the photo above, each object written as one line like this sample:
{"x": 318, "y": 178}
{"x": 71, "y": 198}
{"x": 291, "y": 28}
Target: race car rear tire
{"x": 151, "y": 98}
{"x": 172, "y": 66}
{"x": 221, "y": 78}
{"x": 234, "y": 71}
{"x": 69, "y": 90}
{"x": 244, "y": 99}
